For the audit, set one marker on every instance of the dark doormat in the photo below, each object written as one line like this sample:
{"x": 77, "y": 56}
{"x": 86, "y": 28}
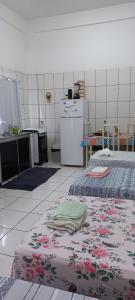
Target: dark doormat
{"x": 30, "y": 179}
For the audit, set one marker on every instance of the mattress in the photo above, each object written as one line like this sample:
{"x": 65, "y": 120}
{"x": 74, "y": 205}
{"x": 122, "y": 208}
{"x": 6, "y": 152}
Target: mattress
{"x": 97, "y": 261}
{"x": 119, "y": 183}
{"x": 122, "y": 159}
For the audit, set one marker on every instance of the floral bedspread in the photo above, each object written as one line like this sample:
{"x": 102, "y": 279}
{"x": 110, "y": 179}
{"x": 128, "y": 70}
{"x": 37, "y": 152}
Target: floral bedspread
{"x": 97, "y": 261}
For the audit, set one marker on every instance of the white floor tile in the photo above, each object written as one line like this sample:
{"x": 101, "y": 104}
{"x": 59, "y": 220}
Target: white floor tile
{"x": 64, "y": 187}
{"x": 25, "y": 205}
{"x": 55, "y": 196}
{"x": 5, "y": 201}
{"x": 3, "y": 231}
{"x": 14, "y": 193}
{"x": 27, "y": 223}
{"x": 37, "y": 194}
{"x": 10, "y": 218}
{"x": 5, "y": 265}
{"x": 10, "y": 242}
{"x": 49, "y": 186}
{"x": 42, "y": 207}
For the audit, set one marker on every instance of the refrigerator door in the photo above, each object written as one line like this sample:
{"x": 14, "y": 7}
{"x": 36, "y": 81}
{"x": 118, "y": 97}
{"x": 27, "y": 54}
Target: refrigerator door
{"x": 71, "y": 108}
{"x": 71, "y": 132}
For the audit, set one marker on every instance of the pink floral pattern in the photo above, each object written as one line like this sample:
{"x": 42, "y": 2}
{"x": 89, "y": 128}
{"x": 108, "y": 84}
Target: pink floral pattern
{"x": 97, "y": 261}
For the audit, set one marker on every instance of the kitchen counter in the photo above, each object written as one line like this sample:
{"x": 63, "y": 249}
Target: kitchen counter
{"x": 13, "y": 137}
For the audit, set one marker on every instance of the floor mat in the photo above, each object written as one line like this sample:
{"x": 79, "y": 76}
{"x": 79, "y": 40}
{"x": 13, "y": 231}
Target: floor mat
{"x": 30, "y": 179}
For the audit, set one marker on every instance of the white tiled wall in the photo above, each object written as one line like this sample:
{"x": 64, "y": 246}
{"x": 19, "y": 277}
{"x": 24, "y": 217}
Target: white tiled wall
{"x": 111, "y": 95}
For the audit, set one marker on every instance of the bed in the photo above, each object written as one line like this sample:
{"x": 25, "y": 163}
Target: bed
{"x": 97, "y": 261}
{"x": 119, "y": 183}
{"x": 122, "y": 159}
{"x": 14, "y": 289}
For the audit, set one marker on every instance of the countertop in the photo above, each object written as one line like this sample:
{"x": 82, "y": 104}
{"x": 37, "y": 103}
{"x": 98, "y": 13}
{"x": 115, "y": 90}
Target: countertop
{"x": 13, "y": 137}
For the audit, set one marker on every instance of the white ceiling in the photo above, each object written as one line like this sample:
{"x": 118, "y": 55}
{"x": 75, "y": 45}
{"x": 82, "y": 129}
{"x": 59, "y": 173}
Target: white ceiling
{"x": 30, "y": 9}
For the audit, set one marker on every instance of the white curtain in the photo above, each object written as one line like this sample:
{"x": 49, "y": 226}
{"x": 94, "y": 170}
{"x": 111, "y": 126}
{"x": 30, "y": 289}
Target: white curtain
{"x": 9, "y": 104}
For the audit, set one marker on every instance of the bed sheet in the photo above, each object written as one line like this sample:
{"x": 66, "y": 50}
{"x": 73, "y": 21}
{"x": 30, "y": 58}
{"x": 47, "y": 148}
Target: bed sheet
{"x": 119, "y": 183}
{"x": 122, "y": 159}
{"x": 97, "y": 261}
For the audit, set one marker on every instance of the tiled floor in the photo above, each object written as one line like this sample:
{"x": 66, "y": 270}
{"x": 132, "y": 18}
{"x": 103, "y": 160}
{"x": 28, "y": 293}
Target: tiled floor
{"x": 19, "y": 210}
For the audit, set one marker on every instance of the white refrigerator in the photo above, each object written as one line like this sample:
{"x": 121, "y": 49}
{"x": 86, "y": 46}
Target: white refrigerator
{"x": 73, "y": 114}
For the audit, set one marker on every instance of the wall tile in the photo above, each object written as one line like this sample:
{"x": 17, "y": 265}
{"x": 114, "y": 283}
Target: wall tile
{"x": 41, "y": 82}
{"x": 133, "y": 75}
{"x": 112, "y": 76}
{"x": 58, "y": 95}
{"x": 78, "y": 76}
{"x": 33, "y": 97}
{"x": 132, "y": 91}
{"x": 50, "y": 111}
{"x": 124, "y": 93}
{"x": 26, "y": 111}
{"x": 42, "y": 99}
{"x": 34, "y": 112}
{"x": 90, "y": 94}
{"x": 112, "y": 120}
{"x": 34, "y": 123}
{"x": 50, "y": 123}
{"x": 26, "y": 97}
{"x": 57, "y": 125}
{"x": 92, "y": 110}
{"x": 25, "y": 81}
{"x": 111, "y": 110}
{"x": 32, "y": 82}
{"x": 20, "y": 95}
{"x": 99, "y": 124}
{"x": 90, "y": 77}
{"x": 19, "y": 77}
{"x": 123, "y": 109}
{"x": 123, "y": 123}
{"x": 57, "y": 110}
{"x": 92, "y": 125}
{"x": 112, "y": 93}
{"x": 58, "y": 81}
{"x": 100, "y": 77}
{"x": 101, "y": 110}
{"x": 49, "y": 81}
{"x": 101, "y": 94}
{"x": 42, "y": 112}
{"x": 68, "y": 80}
{"x": 124, "y": 76}
{"x": 132, "y": 110}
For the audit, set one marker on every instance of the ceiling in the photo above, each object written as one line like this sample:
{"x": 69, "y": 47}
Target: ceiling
{"x": 31, "y": 9}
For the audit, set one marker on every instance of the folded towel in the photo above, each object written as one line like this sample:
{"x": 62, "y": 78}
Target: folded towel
{"x": 67, "y": 225}
{"x": 68, "y": 216}
{"x": 70, "y": 210}
{"x": 99, "y": 175}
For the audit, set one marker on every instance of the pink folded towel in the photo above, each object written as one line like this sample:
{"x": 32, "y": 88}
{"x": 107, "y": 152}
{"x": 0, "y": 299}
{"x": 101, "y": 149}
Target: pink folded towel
{"x": 98, "y": 174}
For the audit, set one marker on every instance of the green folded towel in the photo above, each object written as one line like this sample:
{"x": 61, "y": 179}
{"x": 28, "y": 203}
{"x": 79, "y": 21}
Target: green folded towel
{"x": 70, "y": 210}
{"x": 68, "y": 216}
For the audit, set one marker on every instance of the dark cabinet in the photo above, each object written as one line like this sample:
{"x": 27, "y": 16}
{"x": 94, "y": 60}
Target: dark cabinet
{"x": 42, "y": 146}
{"x": 23, "y": 154}
{"x": 9, "y": 160}
{"x": 14, "y": 157}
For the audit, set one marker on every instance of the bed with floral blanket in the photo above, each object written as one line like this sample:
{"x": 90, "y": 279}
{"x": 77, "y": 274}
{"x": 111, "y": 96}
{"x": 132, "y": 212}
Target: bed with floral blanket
{"x": 119, "y": 183}
{"x": 97, "y": 261}
{"x": 122, "y": 159}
